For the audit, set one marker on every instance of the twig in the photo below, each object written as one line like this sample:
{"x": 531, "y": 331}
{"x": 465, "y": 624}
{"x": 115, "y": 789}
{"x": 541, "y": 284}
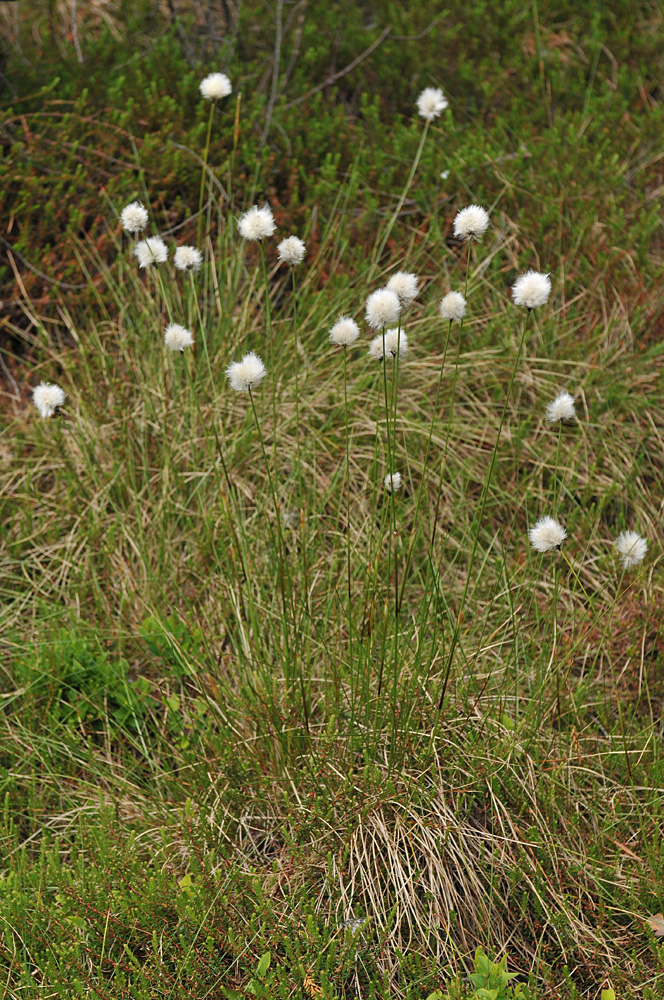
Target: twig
{"x": 342, "y": 72}
{"x": 275, "y": 76}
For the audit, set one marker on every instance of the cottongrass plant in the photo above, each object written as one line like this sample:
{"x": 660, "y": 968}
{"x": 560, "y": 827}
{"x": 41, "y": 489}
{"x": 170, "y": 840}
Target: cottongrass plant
{"x": 151, "y": 250}
{"x": 291, "y": 252}
{"x": 558, "y": 411}
{"x": 631, "y": 548}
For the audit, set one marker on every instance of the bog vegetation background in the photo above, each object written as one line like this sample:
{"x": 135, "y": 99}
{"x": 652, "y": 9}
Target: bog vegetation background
{"x": 228, "y": 765}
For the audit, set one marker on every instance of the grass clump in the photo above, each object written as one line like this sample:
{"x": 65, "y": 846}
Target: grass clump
{"x": 273, "y": 720}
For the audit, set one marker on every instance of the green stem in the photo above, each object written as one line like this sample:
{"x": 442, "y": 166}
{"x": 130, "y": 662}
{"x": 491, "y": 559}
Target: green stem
{"x": 203, "y": 173}
{"x": 478, "y": 518}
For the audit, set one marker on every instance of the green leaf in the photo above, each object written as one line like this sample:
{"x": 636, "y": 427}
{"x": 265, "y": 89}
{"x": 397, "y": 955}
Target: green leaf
{"x": 608, "y": 995}
{"x": 264, "y": 964}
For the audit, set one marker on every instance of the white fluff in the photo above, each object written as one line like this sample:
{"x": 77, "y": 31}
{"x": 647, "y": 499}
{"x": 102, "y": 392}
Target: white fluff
{"x": 531, "y": 289}
{"x": 344, "y": 332}
{"x": 151, "y": 251}
{"x": 431, "y": 103}
{"x": 383, "y": 308}
{"x": 389, "y": 344}
{"x": 188, "y": 259}
{"x": 406, "y": 286}
{"x": 178, "y": 337}
{"x": 292, "y": 250}
{"x": 257, "y": 223}
{"x": 134, "y": 218}
{"x": 246, "y": 374}
{"x": 561, "y": 408}
{"x": 631, "y": 547}
{"x": 547, "y": 534}
{"x": 472, "y": 221}
{"x": 47, "y": 398}
{"x": 453, "y": 306}
{"x": 392, "y": 482}
{"x": 215, "y": 86}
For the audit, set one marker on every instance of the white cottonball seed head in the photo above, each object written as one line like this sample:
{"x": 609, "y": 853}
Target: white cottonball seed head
{"x": 389, "y": 344}
{"x": 151, "y": 251}
{"x": 560, "y": 408}
{"x": 471, "y": 222}
{"x": 547, "y": 534}
{"x": 134, "y": 218}
{"x": 188, "y": 259}
{"x": 392, "y": 482}
{"x": 383, "y": 308}
{"x": 631, "y": 548}
{"x": 344, "y": 332}
{"x": 531, "y": 289}
{"x": 247, "y": 374}
{"x": 405, "y": 285}
{"x": 178, "y": 337}
{"x": 453, "y": 306}
{"x": 431, "y": 103}
{"x": 257, "y": 224}
{"x": 47, "y": 398}
{"x": 216, "y": 86}
{"x": 292, "y": 250}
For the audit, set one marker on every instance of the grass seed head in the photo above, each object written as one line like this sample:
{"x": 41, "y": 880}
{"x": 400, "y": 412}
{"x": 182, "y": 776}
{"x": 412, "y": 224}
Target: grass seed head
{"x": 247, "y": 374}
{"x": 216, "y": 86}
{"x": 471, "y": 222}
{"x": 292, "y": 250}
{"x": 631, "y": 548}
{"x": 392, "y": 482}
{"x": 531, "y": 289}
{"x": 405, "y": 284}
{"x": 178, "y": 337}
{"x": 389, "y": 344}
{"x": 151, "y": 251}
{"x": 561, "y": 408}
{"x": 257, "y": 223}
{"x": 431, "y": 103}
{"x": 188, "y": 259}
{"x": 547, "y": 534}
{"x": 453, "y": 306}
{"x": 383, "y": 308}
{"x": 134, "y": 218}
{"x": 344, "y": 332}
{"x": 47, "y": 398}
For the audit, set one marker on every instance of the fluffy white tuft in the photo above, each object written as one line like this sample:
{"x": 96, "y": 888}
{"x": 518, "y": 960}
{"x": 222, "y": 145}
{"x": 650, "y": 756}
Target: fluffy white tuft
{"x": 472, "y": 221}
{"x": 246, "y": 374}
{"x": 405, "y": 285}
{"x": 631, "y": 547}
{"x": 134, "y": 218}
{"x": 383, "y": 308}
{"x": 344, "y": 332}
{"x": 151, "y": 251}
{"x": 178, "y": 337}
{"x": 188, "y": 259}
{"x": 561, "y": 408}
{"x": 431, "y": 103}
{"x": 547, "y": 534}
{"x": 257, "y": 223}
{"x": 47, "y": 398}
{"x": 453, "y": 306}
{"x": 292, "y": 250}
{"x": 531, "y": 289}
{"x": 215, "y": 86}
{"x": 389, "y": 344}
{"x": 392, "y": 482}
